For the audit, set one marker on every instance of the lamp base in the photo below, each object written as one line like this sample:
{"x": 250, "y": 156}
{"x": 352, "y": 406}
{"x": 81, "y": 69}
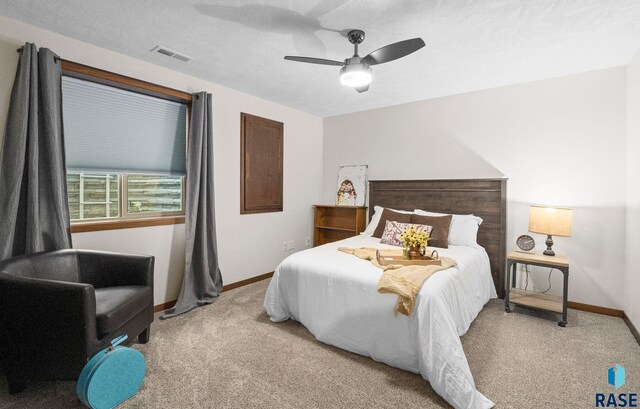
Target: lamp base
{"x": 549, "y": 251}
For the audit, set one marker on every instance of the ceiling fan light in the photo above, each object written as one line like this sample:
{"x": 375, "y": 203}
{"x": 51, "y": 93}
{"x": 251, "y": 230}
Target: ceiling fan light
{"x": 355, "y": 75}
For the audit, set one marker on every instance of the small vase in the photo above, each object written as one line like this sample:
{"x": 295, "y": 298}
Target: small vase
{"x": 414, "y": 252}
{"x": 405, "y": 253}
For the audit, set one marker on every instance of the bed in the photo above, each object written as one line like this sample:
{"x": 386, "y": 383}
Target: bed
{"x": 334, "y": 295}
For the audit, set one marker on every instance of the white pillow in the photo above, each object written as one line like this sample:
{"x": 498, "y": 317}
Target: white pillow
{"x": 463, "y": 230}
{"x": 375, "y": 220}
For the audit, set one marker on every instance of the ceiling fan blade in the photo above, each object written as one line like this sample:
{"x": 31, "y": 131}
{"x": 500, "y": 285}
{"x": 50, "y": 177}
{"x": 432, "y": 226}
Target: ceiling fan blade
{"x": 394, "y": 51}
{"x": 312, "y": 60}
{"x": 362, "y": 89}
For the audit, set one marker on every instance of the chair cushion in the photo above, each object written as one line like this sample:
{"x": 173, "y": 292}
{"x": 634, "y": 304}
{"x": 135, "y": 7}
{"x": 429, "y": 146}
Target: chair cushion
{"x": 115, "y": 306}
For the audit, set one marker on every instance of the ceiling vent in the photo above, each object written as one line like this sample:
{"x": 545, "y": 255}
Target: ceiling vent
{"x": 170, "y": 53}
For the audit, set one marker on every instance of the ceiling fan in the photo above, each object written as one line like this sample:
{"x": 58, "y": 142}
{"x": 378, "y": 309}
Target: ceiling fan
{"x": 356, "y": 71}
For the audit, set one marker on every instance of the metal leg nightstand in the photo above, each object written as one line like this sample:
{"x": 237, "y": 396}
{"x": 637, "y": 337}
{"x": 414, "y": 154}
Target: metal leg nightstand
{"x": 534, "y": 299}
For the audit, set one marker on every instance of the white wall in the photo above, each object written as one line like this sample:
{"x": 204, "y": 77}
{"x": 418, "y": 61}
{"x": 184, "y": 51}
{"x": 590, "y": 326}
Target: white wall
{"x": 559, "y": 141}
{"x": 248, "y": 245}
{"x": 632, "y": 283}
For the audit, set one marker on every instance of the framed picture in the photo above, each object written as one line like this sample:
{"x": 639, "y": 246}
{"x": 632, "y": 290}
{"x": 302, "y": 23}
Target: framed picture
{"x": 352, "y": 185}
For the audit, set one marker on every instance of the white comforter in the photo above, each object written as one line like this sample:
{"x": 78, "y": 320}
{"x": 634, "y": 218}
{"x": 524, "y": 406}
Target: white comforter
{"x": 335, "y": 296}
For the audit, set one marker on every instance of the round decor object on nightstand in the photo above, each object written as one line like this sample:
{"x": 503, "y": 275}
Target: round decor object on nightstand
{"x": 526, "y": 243}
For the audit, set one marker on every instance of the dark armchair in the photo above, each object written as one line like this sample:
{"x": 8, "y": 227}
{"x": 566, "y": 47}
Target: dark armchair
{"x": 59, "y": 308}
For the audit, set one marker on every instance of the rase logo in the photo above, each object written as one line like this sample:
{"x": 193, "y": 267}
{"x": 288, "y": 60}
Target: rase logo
{"x": 616, "y": 377}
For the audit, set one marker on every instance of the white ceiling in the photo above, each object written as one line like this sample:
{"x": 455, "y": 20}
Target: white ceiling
{"x": 471, "y": 45}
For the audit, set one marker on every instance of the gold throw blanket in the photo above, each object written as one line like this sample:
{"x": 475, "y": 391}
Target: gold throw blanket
{"x": 405, "y": 281}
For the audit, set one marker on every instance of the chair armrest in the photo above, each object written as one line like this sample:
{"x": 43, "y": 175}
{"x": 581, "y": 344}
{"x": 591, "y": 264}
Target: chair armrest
{"x": 46, "y": 324}
{"x": 104, "y": 269}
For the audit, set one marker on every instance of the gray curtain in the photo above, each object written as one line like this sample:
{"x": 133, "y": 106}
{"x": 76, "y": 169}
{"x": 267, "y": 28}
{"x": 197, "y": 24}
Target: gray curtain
{"x": 34, "y": 214}
{"x": 202, "y": 281}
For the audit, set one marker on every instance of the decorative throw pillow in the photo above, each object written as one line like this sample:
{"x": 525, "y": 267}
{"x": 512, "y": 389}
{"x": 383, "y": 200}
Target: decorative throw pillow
{"x": 375, "y": 220}
{"x": 463, "y": 230}
{"x": 388, "y": 214}
{"x": 393, "y": 230}
{"x": 440, "y": 232}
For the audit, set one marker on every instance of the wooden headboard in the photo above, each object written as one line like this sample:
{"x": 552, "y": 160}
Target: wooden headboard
{"x": 485, "y": 198}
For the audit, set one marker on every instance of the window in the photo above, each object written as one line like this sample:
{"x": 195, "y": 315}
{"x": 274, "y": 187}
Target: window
{"x": 154, "y": 194}
{"x": 125, "y": 143}
{"x": 94, "y": 196}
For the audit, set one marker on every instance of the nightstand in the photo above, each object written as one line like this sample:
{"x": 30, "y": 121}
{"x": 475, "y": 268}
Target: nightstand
{"x": 535, "y": 299}
{"x": 333, "y": 223}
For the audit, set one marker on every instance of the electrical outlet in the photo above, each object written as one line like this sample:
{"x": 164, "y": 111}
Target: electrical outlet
{"x": 307, "y": 242}
{"x": 285, "y": 246}
{"x": 292, "y": 244}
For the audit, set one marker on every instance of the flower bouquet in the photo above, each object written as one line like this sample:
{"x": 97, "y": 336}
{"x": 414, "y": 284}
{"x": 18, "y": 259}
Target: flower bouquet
{"x": 415, "y": 242}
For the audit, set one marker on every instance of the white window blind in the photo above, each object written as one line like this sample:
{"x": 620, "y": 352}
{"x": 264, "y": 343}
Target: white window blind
{"x": 110, "y": 130}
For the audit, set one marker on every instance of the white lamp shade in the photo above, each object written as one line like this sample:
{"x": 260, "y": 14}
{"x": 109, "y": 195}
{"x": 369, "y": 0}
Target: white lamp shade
{"x": 552, "y": 221}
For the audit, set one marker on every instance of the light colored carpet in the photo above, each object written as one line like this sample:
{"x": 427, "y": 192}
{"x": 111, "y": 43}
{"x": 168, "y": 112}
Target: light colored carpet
{"x": 229, "y": 355}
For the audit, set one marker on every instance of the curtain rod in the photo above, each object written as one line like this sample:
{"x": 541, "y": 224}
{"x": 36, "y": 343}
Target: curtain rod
{"x": 55, "y": 57}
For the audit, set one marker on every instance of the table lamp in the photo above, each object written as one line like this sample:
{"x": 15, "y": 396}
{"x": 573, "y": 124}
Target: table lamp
{"x": 552, "y": 221}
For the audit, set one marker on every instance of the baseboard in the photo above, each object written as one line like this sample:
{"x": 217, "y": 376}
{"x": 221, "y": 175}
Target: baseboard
{"x": 242, "y": 283}
{"x": 632, "y": 328}
{"x": 596, "y": 309}
{"x": 164, "y": 306}
{"x": 247, "y": 281}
